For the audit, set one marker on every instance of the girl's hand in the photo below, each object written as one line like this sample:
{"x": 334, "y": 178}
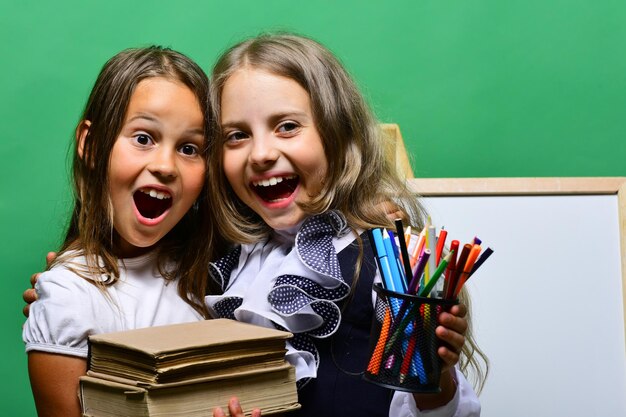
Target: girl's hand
{"x": 451, "y": 330}
{"x": 235, "y": 410}
{"x": 392, "y": 210}
{"x": 30, "y": 294}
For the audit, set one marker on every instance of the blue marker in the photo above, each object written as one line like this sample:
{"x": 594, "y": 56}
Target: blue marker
{"x": 384, "y": 261}
{"x": 396, "y": 253}
{"x": 385, "y": 269}
{"x": 398, "y": 282}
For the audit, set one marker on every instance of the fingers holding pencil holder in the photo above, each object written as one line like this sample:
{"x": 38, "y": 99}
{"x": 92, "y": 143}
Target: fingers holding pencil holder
{"x": 403, "y": 344}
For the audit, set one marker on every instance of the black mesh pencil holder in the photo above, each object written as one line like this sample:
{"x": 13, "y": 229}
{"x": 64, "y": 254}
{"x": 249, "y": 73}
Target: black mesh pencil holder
{"x": 403, "y": 345}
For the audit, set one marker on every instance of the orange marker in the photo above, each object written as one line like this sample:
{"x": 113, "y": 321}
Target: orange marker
{"x": 377, "y": 357}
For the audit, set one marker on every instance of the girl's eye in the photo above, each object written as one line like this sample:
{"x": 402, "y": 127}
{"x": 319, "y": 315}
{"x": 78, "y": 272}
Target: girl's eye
{"x": 287, "y": 127}
{"x": 235, "y": 136}
{"x": 189, "y": 150}
{"x": 143, "y": 139}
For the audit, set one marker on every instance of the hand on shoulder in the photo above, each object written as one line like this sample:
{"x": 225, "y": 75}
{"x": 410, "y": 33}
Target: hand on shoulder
{"x": 30, "y": 295}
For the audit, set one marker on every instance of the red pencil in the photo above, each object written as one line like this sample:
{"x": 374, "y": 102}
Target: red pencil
{"x": 441, "y": 240}
{"x": 449, "y": 288}
{"x": 460, "y": 263}
{"x": 467, "y": 268}
{"x": 408, "y": 357}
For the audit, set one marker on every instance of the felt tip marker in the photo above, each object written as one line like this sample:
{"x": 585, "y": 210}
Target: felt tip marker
{"x": 384, "y": 261}
{"x": 396, "y": 278}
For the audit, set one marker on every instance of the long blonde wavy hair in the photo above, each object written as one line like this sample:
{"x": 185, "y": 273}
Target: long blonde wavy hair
{"x": 359, "y": 177}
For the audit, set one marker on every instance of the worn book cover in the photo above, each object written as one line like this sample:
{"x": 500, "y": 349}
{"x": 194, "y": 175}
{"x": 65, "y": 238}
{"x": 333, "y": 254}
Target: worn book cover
{"x": 165, "y": 354}
{"x": 272, "y": 390}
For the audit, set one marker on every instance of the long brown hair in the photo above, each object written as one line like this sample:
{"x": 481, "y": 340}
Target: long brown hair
{"x": 359, "y": 177}
{"x": 192, "y": 242}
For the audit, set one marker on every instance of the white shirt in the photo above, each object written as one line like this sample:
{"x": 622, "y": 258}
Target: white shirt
{"x": 69, "y": 308}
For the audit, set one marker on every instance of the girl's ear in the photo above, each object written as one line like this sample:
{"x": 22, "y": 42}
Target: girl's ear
{"x": 81, "y": 134}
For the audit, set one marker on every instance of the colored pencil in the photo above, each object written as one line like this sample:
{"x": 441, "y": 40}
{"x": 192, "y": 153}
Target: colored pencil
{"x": 430, "y": 284}
{"x": 406, "y": 261}
{"x": 469, "y": 264}
{"x": 482, "y": 258}
{"x": 377, "y": 357}
{"x": 441, "y": 240}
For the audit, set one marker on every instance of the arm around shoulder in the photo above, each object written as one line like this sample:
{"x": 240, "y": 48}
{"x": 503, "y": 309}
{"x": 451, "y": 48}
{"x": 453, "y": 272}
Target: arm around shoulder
{"x": 54, "y": 381}
{"x": 56, "y": 334}
{"x": 67, "y": 311}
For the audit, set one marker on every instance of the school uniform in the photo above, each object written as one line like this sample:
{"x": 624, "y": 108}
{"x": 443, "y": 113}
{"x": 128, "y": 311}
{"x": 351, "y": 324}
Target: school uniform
{"x": 300, "y": 280}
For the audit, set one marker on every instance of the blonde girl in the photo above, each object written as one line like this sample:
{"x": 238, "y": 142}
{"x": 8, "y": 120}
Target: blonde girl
{"x": 299, "y": 172}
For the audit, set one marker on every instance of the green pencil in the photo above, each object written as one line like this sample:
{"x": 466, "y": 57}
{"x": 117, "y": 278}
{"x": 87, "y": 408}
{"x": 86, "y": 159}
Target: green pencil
{"x": 425, "y": 290}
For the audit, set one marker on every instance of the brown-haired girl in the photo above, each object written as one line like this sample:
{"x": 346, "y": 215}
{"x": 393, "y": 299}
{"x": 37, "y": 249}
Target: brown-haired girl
{"x": 137, "y": 249}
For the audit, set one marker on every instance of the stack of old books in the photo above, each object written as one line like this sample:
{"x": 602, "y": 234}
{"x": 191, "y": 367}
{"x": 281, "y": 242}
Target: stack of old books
{"x": 188, "y": 370}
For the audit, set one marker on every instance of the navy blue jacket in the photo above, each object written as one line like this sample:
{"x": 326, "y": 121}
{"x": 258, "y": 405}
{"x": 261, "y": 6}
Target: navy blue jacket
{"x": 339, "y": 390}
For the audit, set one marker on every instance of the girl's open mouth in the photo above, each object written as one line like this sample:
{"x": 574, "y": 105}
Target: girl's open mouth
{"x": 276, "y": 188}
{"x": 152, "y": 203}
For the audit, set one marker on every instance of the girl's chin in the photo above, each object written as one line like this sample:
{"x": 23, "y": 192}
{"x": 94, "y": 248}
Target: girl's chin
{"x": 133, "y": 248}
{"x": 133, "y": 251}
{"x": 285, "y": 223}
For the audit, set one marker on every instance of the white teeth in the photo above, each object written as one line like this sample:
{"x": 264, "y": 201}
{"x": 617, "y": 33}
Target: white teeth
{"x": 271, "y": 181}
{"x": 155, "y": 194}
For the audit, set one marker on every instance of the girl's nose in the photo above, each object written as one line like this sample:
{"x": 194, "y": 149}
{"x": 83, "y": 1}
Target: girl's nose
{"x": 264, "y": 152}
{"x": 163, "y": 165}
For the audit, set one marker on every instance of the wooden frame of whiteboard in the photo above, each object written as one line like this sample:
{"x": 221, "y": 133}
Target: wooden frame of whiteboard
{"x": 432, "y": 187}
{"x": 395, "y": 151}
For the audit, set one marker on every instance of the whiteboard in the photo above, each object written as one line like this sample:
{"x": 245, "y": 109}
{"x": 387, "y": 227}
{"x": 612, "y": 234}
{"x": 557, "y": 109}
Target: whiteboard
{"x": 548, "y": 305}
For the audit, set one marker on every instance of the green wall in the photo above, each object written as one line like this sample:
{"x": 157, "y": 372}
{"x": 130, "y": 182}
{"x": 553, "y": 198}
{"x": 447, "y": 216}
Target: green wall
{"x": 479, "y": 88}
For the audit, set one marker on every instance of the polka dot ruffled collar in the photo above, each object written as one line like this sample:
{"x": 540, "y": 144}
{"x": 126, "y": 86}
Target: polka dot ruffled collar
{"x": 290, "y": 284}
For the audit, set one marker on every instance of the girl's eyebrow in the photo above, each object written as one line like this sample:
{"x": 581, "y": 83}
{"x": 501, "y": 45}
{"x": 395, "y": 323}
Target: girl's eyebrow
{"x": 144, "y": 116}
{"x": 231, "y": 124}
{"x": 273, "y": 118}
{"x": 155, "y": 120}
{"x": 199, "y": 131}
{"x": 287, "y": 114}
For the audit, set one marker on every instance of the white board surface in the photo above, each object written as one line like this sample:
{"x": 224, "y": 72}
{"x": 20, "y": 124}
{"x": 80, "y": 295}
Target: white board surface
{"x": 547, "y": 306}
